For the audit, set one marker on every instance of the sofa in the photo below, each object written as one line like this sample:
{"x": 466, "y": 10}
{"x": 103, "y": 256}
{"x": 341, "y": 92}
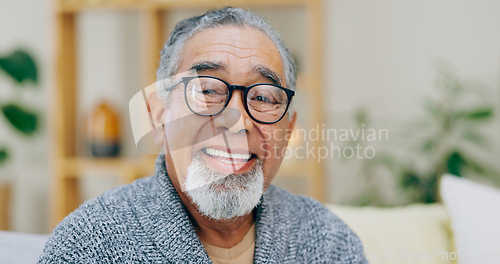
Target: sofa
{"x": 20, "y": 248}
{"x": 462, "y": 229}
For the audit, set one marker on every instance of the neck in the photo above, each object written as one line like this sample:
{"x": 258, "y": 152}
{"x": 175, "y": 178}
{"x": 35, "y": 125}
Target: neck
{"x": 220, "y": 233}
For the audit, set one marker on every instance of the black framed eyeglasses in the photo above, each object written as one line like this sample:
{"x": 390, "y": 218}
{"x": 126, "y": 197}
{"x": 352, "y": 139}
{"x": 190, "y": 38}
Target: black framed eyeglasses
{"x": 208, "y": 96}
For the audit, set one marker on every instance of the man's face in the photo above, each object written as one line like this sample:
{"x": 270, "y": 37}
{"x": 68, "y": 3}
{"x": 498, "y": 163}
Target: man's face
{"x": 236, "y": 55}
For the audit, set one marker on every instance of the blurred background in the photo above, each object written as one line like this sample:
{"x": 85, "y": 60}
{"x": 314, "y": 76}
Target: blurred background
{"x": 423, "y": 74}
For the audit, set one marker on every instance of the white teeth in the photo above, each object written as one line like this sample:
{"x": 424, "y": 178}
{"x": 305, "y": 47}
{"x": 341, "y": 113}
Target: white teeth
{"x": 220, "y": 153}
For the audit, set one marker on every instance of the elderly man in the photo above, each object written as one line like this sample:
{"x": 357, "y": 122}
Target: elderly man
{"x": 222, "y": 106}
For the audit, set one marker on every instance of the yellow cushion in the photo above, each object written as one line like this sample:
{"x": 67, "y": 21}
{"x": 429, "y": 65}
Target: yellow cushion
{"x": 410, "y": 234}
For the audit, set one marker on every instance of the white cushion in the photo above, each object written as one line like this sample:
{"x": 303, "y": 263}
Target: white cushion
{"x": 474, "y": 210}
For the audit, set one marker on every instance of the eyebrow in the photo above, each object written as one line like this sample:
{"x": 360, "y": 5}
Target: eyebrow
{"x": 269, "y": 74}
{"x": 208, "y": 65}
{"x": 218, "y": 65}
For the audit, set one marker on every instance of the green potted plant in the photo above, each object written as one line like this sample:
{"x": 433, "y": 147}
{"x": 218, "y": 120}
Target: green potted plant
{"x": 452, "y": 127}
{"x": 445, "y": 140}
{"x": 20, "y": 67}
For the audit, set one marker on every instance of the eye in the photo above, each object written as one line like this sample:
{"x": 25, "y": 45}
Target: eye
{"x": 209, "y": 91}
{"x": 262, "y": 98}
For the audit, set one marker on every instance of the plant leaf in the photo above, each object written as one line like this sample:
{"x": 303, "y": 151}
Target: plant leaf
{"x": 475, "y": 138}
{"x": 361, "y": 116}
{"x": 409, "y": 180}
{"x": 428, "y": 145}
{"x": 475, "y": 165}
{"x": 4, "y": 155}
{"x": 23, "y": 120}
{"x": 479, "y": 114}
{"x": 429, "y": 190}
{"x": 432, "y": 108}
{"x": 20, "y": 66}
{"x": 455, "y": 163}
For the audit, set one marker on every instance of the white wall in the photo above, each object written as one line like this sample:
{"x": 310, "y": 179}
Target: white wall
{"x": 383, "y": 55}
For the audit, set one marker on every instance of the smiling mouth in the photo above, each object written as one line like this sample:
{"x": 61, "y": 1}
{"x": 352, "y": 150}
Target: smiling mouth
{"x": 227, "y": 157}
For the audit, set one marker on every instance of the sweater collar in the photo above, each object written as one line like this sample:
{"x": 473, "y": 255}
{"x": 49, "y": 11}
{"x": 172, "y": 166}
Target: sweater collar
{"x": 174, "y": 233}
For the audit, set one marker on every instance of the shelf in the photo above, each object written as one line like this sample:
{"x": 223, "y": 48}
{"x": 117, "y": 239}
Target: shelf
{"x": 74, "y": 166}
{"x": 70, "y": 169}
{"x": 126, "y": 169}
{"x": 73, "y": 6}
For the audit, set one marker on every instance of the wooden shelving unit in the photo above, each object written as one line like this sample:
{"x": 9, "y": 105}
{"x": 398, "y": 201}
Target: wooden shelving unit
{"x": 68, "y": 167}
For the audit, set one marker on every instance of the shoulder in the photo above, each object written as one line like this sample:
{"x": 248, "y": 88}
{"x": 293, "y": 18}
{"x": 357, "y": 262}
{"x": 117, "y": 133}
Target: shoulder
{"x": 117, "y": 203}
{"x": 323, "y": 235}
{"x": 305, "y": 209}
{"x": 95, "y": 226}
{"x": 113, "y": 204}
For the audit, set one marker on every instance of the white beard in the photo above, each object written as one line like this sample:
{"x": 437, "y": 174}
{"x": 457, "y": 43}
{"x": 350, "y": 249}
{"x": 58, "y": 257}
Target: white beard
{"x": 222, "y": 196}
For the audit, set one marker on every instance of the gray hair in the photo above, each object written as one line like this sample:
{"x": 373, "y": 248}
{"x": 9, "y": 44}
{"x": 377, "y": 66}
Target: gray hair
{"x": 227, "y": 16}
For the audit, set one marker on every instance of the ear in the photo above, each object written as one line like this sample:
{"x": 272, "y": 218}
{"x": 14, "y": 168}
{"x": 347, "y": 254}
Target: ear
{"x": 156, "y": 109}
{"x": 292, "y": 118}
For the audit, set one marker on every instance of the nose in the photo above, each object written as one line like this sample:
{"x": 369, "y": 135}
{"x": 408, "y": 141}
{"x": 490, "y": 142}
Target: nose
{"x": 235, "y": 118}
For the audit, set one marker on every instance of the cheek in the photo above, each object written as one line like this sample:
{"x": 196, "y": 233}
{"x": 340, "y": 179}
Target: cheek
{"x": 180, "y": 133}
{"x": 277, "y": 137}
{"x": 180, "y": 124}
{"x": 177, "y": 133}
{"x": 275, "y": 147}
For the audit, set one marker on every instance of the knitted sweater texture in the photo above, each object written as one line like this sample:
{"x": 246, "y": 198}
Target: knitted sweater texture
{"x": 146, "y": 222}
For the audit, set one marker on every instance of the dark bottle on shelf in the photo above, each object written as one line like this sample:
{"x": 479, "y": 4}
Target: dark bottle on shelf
{"x": 103, "y": 131}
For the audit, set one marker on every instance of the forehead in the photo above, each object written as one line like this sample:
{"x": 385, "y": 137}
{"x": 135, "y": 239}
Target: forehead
{"x": 241, "y": 49}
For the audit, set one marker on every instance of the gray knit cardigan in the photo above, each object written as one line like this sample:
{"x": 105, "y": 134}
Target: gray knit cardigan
{"x": 146, "y": 222}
